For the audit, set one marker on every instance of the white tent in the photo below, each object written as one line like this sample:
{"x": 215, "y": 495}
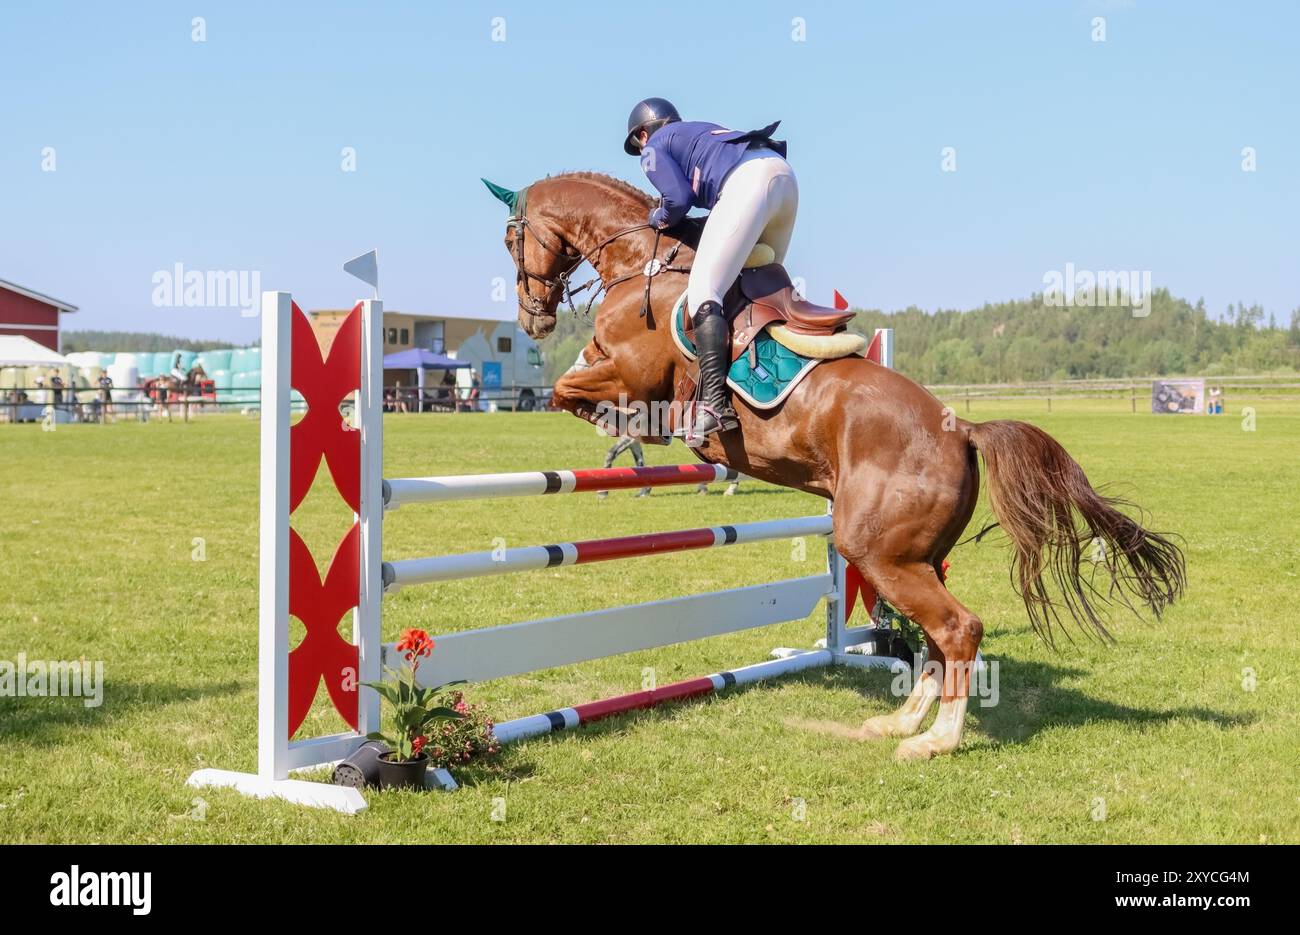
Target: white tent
{"x": 18, "y": 351}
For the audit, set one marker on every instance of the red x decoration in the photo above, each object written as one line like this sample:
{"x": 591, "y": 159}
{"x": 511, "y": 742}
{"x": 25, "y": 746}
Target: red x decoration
{"x": 322, "y": 431}
{"x": 323, "y": 654}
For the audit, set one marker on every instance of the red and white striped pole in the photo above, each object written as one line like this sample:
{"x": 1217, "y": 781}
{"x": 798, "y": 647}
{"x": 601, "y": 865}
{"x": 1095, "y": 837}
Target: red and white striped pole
{"x": 566, "y": 718}
{"x": 399, "y": 491}
{"x": 405, "y": 572}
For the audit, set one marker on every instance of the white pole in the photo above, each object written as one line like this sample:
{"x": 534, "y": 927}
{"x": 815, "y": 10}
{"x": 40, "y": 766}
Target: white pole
{"x": 273, "y": 543}
{"x": 366, "y": 619}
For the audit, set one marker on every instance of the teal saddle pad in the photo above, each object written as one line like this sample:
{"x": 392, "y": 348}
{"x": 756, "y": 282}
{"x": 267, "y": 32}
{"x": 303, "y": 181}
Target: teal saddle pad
{"x": 775, "y": 372}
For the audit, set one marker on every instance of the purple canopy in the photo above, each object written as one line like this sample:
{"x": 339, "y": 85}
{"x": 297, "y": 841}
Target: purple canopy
{"x": 417, "y": 358}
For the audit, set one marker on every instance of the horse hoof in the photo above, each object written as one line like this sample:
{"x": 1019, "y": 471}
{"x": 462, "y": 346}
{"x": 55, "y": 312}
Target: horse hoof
{"x": 914, "y": 749}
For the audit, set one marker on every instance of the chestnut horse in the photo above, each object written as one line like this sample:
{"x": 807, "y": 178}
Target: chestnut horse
{"x": 899, "y": 467}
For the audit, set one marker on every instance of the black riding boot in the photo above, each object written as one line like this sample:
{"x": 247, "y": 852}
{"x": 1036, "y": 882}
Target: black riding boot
{"x": 711, "y": 413}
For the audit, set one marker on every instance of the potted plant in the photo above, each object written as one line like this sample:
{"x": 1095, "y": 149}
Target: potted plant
{"x": 416, "y": 714}
{"x": 460, "y": 742}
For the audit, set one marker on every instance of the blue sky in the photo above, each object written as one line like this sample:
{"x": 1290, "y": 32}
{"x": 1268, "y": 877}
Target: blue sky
{"x": 225, "y": 154}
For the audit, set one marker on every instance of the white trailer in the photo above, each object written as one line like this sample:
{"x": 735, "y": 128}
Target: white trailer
{"x": 509, "y": 366}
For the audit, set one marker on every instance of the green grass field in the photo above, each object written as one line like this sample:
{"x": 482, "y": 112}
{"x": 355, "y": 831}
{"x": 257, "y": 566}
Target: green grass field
{"x": 136, "y": 545}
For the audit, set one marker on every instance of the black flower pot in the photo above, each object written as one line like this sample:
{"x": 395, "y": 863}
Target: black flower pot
{"x": 361, "y": 769}
{"x": 402, "y": 774}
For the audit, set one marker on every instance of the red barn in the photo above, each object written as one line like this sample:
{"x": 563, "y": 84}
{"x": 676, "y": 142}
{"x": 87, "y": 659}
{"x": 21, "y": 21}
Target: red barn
{"x": 31, "y": 314}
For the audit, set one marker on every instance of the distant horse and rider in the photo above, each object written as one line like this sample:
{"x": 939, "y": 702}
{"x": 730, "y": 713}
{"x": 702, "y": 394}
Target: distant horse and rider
{"x": 176, "y": 388}
{"x": 900, "y": 468}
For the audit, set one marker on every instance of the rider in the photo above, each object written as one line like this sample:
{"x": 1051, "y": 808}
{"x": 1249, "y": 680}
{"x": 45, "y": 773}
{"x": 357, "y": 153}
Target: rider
{"x": 741, "y": 177}
{"x": 178, "y": 371}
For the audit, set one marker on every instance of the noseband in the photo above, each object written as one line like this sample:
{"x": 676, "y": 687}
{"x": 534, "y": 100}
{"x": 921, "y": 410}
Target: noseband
{"x": 536, "y": 305}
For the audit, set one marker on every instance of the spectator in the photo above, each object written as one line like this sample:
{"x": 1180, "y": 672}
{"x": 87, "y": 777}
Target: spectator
{"x": 638, "y": 457}
{"x": 445, "y": 395}
{"x": 106, "y": 395}
{"x": 731, "y": 488}
{"x": 57, "y": 384}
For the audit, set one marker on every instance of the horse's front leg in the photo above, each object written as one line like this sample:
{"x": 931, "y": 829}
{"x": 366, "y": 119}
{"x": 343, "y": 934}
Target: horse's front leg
{"x": 597, "y": 393}
{"x": 588, "y": 387}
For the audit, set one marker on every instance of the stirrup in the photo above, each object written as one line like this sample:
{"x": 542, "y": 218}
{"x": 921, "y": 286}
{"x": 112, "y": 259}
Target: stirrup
{"x": 724, "y": 420}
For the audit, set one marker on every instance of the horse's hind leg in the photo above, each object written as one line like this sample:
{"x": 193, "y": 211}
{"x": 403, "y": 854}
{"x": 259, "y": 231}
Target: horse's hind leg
{"x": 907, "y": 720}
{"x": 915, "y": 589}
{"x": 927, "y": 687}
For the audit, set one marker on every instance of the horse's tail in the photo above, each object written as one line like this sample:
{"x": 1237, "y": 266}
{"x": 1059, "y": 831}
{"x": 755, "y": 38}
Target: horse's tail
{"x": 1035, "y": 489}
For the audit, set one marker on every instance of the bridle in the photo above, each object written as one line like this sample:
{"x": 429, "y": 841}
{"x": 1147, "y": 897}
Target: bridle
{"x": 535, "y": 305}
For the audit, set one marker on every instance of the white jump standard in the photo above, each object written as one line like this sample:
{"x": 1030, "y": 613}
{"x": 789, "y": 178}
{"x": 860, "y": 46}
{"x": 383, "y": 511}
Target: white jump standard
{"x": 357, "y": 577}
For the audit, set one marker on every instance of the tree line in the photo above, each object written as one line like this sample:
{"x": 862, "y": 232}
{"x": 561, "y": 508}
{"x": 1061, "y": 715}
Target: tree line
{"x": 135, "y": 342}
{"x": 1030, "y": 340}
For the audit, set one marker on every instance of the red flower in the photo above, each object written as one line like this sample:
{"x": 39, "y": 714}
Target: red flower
{"x": 414, "y": 644}
{"x": 418, "y": 744}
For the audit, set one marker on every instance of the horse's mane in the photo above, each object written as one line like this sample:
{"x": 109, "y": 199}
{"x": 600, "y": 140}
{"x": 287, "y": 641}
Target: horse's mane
{"x": 608, "y": 181}
{"x": 687, "y": 231}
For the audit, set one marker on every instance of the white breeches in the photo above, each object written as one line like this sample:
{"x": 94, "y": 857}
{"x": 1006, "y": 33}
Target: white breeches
{"x": 758, "y": 204}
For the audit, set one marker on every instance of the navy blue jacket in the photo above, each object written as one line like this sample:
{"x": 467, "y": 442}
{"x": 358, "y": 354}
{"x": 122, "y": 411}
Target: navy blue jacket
{"x": 688, "y": 161}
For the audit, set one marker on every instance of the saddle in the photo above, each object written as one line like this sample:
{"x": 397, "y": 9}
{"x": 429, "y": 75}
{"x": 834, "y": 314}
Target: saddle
{"x": 777, "y": 338}
{"x": 765, "y": 296}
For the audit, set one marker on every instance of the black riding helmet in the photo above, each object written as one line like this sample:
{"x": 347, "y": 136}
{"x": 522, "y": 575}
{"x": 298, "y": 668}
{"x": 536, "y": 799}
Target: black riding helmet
{"x": 650, "y": 114}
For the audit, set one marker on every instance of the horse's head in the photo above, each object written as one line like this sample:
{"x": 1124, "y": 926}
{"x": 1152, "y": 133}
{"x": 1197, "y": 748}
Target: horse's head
{"x": 543, "y": 259}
